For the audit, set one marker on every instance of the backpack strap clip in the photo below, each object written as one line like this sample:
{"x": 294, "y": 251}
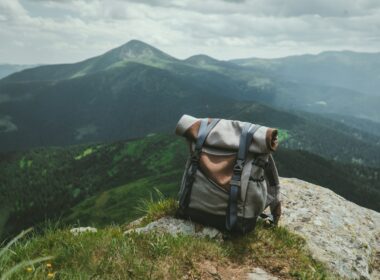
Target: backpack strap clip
{"x": 195, "y": 157}
{"x": 238, "y": 167}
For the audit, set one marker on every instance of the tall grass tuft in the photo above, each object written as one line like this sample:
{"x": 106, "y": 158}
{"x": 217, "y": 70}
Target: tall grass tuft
{"x": 4, "y": 257}
{"x": 157, "y": 206}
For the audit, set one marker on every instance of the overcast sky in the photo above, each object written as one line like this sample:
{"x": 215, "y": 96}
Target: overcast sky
{"x": 54, "y": 31}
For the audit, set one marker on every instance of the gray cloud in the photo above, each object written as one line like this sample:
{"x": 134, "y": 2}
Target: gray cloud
{"x": 52, "y": 31}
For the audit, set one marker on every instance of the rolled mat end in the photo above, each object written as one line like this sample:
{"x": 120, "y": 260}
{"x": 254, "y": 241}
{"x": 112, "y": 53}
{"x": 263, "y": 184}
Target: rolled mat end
{"x": 272, "y": 139}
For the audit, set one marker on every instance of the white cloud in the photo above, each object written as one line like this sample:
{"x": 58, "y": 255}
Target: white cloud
{"x": 36, "y": 31}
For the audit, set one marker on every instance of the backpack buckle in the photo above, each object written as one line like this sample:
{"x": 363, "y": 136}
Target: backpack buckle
{"x": 195, "y": 157}
{"x": 238, "y": 167}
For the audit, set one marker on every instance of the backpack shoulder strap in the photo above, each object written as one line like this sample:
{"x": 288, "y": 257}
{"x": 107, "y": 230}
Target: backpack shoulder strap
{"x": 204, "y": 131}
{"x": 245, "y": 140}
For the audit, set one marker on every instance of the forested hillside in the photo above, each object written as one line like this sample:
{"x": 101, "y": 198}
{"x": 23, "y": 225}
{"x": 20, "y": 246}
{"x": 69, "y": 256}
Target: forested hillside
{"x": 102, "y": 183}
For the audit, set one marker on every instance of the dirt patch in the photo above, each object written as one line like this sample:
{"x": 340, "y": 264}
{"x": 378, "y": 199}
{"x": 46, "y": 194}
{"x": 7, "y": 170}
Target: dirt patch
{"x": 214, "y": 270}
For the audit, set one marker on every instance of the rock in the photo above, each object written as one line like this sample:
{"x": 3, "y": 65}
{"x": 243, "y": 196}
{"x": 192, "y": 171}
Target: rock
{"x": 135, "y": 223}
{"x": 208, "y": 269}
{"x": 175, "y": 227}
{"x": 339, "y": 233}
{"x": 76, "y": 231}
{"x": 260, "y": 274}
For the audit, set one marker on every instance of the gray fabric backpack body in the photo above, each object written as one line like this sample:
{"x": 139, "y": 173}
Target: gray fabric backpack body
{"x": 230, "y": 176}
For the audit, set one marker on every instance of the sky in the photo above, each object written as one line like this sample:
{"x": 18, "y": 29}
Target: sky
{"x": 64, "y": 31}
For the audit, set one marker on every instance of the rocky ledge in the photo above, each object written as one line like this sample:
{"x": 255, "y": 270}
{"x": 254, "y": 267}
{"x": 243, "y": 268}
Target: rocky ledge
{"x": 339, "y": 233}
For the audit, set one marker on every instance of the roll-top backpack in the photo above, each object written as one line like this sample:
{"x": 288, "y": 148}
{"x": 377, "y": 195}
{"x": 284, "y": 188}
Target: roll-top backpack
{"x": 230, "y": 176}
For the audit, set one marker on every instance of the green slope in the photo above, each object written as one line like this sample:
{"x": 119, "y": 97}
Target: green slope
{"x": 45, "y": 183}
{"x": 120, "y": 204}
{"x": 98, "y": 184}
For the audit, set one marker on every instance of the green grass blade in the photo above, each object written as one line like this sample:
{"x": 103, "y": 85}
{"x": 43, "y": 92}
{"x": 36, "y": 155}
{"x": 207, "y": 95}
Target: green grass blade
{"x": 14, "y": 240}
{"x": 23, "y": 264}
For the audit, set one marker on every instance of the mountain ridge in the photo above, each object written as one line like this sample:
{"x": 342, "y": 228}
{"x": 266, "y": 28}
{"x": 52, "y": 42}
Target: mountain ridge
{"x": 132, "y": 51}
{"x": 92, "y": 100}
{"x": 347, "y": 69}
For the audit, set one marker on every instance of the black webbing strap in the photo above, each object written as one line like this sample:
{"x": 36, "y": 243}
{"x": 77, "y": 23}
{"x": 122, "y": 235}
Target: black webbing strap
{"x": 204, "y": 131}
{"x": 271, "y": 172}
{"x": 245, "y": 140}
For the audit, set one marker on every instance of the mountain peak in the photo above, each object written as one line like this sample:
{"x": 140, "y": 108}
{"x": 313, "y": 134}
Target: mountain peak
{"x": 138, "y": 50}
{"x": 201, "y": 59}
{"x": 136, "y": 44}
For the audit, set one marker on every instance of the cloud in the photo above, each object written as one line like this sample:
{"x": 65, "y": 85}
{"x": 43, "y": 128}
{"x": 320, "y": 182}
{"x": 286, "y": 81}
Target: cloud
{"x": 52, "y": 31}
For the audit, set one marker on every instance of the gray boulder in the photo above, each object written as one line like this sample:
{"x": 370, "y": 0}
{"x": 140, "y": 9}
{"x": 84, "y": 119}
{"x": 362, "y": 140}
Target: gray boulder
{"x": 79, "y": 230}
{"x": 339, "y": 233}
{"x": 175, "y": 227}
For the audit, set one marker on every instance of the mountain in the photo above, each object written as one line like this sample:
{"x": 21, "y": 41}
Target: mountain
{"x": 135, "y": 90}
{"x": 100, "y": 184}
{"x": 331, "y": 83}
{"x": 59, "y": 160}
{"x": 7, "y": 69}
{"x": 344, "y": 69}
{"x": 133, "y": 51}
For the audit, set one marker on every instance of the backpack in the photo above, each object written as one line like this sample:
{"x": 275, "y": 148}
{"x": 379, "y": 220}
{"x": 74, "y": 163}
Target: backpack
{"x": 230, "y": 176}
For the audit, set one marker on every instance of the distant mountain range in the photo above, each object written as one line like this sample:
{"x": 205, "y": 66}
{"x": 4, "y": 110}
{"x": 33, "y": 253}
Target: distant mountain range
{"x": 7, "y": 69}
{"x": 136, "y": 89}
{"x": 345, "y": 69}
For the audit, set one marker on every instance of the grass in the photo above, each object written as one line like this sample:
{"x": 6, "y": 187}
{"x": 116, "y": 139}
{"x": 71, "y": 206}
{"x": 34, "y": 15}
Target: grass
{"x": 7, "y": 271}
{"x": 109, "y": 254}
{"x": 118, "y": 205}
{"x": 157, "y": 207}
